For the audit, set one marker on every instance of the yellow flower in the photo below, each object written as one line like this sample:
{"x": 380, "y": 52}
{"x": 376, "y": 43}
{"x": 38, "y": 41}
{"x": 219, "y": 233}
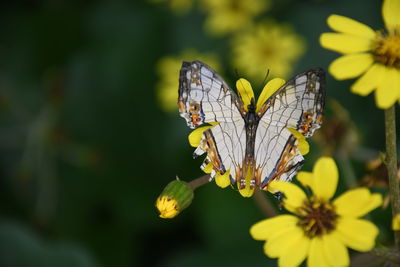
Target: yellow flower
{"x": 168, "y": 71}
{"x": 267, "y": 46}
{"x": 320, "y": 228}
{"x": 225, "y": 16}
{"x": 179, "y": 7}
{"x": 246, "y": 93}
{"x": 373, "y": 55}
{"x": 396, "y": 222}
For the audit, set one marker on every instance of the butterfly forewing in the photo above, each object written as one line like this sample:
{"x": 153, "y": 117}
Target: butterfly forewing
{"x": 205, "y": 97}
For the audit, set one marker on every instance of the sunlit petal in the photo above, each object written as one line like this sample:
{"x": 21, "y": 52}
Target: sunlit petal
{"x": 264, "y": 229}
{"x": 294, "y": 196}
{"x": 388, "y": 91}
{"x": 396, "y": 222}
{"x": 325, "y": 174}
{"x": 350, "y": 66}
{"x": 350, "y": 26}
{"x": 295, "y": 254}
{"x": 357, "y": 234}
{"x": 279, "y": 244}
{"x": 302, "y": 143}
{"x": 245, "y": 91}
{"x": 369, "y": 81}
{"x": 195, "y": 136}
{"x": 305, "y": 178}
{"x": 268, "y": 90}
{"x": 357, "y": 202}
{"x": 316, "y": 256}
{"x": 345, "y": 43}
{"x": 335, "y": 251}
{"x": 390, "y": 13}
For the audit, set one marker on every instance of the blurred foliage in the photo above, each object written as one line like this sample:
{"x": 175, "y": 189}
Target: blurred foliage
{"x": 86, "y": 148}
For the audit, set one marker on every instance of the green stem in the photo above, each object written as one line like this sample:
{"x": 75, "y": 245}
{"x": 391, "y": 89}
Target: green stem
{"x": 390, "y": 126}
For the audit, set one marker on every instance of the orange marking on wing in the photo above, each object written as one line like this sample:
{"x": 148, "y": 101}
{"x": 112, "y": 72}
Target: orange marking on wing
{"x": 306, "y": 122}
{"x": 282, "y": 166}
{"x": 211, "y": 148}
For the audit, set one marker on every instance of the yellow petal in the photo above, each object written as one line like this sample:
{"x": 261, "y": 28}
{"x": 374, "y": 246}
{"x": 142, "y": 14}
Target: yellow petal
{"x": 356, "y": 233}
{"x": 222, "y": 180}
{"x": 388, "y": 92}
{"x": 305, "y": 178}
{"x": 295, "y": 254}
{"x": 350, "y": 66}
{"x": 344, "y": 43}
{"x": 167, "y": 207}
{"x": 208, "y": 168}
{"x": 369, "y": 80}
{"x": 294, "y": 196}
{"x": 390, "y": 13}
{"x": 271, "y": 87}
{"x": 195, "y": 136}
{"x": 396, "y": 223}
{"x": 335, "y": 251}
{"x": 279, "y": 244}
{"x": 265, "y": 229}
{"x": 316, "y": 256}
{"x": 302, "y": 143}
{"x": 357, "y": 202}
{"x": 346, "y": 25}
{"x": 325, "y": 174}
{"x": 245, "y": 91}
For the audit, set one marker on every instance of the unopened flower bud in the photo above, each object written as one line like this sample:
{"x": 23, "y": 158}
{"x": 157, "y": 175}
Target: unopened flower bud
{"x": 176, "y": 197}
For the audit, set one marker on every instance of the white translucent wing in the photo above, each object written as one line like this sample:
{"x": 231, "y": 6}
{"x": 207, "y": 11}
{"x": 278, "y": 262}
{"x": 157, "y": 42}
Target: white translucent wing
{"x": 225, "y": 144}
{"x": 298, "y": 104}
{"x": 276, "y": 154}
{"x": 205, "y": 97}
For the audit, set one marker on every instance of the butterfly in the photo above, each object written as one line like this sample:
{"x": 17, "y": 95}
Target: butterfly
{"x": 253, "y": 140}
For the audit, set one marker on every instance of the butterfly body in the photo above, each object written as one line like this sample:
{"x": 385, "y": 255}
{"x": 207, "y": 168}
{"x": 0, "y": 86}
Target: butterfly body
{"x": 253, "y": 141}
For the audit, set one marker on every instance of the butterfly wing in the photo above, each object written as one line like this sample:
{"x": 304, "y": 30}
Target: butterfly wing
{"x": 299, "y": 105}
{"x": 205, "y": 97}
{"x": 225, "y": 144}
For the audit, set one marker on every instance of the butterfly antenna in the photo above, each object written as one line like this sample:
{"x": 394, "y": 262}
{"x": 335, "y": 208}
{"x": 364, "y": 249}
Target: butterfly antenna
{"x": 265, "y": 79}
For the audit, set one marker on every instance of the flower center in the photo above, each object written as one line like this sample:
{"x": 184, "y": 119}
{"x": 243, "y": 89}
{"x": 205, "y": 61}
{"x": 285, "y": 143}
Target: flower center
{"x": 386, "y": 48}
{"x": 316, "y": 218}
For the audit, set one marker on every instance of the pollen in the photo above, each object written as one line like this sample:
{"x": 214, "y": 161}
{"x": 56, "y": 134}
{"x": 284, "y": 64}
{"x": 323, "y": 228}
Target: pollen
{"x": 386, "y": 48}
{"x": 317, "y": 218}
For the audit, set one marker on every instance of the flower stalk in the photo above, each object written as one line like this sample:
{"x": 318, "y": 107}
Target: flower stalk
{"x": 390, "y": 134}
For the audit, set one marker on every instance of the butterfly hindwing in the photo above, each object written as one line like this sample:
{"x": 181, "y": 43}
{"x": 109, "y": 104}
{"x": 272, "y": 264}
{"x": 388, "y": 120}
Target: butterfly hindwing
{"x": 225, "y": 144}
{"x": 205, "y": 97}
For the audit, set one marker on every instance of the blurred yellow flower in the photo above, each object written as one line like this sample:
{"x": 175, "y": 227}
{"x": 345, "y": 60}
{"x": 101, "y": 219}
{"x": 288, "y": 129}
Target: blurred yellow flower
{"x": 179, "y": 7}
{"x": 168, "y": 71}
{"x": 396, "y": 223}
{"x": 320, "y": 229}
{"x": 226, "y": 16}
{"x": 373, "y": 55}
{"x": 246, "y": 93}
{"x": 267, "y": 46}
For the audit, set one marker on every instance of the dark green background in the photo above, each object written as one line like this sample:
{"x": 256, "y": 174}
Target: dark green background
{"x": 85, "y": 148}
